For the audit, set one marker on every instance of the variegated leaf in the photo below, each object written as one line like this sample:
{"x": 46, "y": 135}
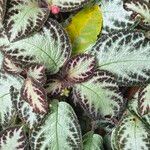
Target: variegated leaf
{"x": 3, "y": 39}
{"x": 80, "y": 68}
{"x": 113, "y": 139}
{"x": 35, "y": 95}
{"x": 25, "y": 111}
{"x": 144, "y": 100}
{"x": 92, "y": 141}
{"x": 99, "y": 96}
{"x": 133, "y": 106}
{"x": 23, "y": 18}
{"x": 1, "y": 60}
{"x": 146, "y": 118}
{"x": 37, "y": 72}
{"x": 140, "y": 8}
{"x": 115, "y": 17}
{"x": 2, "y": 9}
{"x": 67, "y": 5}
{"x": 132, "y": 134}
{"x": 54, "y": 87}
{"x": 125, "y": 54}
{"x": 13, "y": 138}
{"x": 7, "y": 110}
{"x": 59, "y": 131}
{"x": 10, "y": 66}
{"x": 50, "y": 47}
{"x": 27, "y": 115}
{"x": 3, "y": 44}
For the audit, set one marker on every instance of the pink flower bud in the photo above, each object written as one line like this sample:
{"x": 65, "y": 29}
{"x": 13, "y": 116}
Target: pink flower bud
{"x": 54, "y": 9}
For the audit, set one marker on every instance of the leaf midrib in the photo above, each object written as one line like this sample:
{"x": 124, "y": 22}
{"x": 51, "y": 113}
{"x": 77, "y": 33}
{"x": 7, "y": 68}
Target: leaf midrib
{"x": 22, "y": 19}
{"x": 4, "y": 95}
{"x": 96, "y": 94}
{"x": 43, "y": 52}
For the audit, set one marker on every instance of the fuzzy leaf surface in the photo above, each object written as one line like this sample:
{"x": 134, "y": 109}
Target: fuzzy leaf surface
{"x": 1, "y": 60}
{"x": 67, "y": 5}
{"x": 10, "y": 66}
{"x": 131, "y": 134}
{"x": 2, "y": 9}
{"x": 54, "y": 87}
{"x": 7, "y": 110}
{"x": 133, "y": 106}
{"x": 25, "y": 112}
{"x": 23, "y": 18}
{"x": 13, "y": 138}
{"x": 99, "y": 96}
{"x": 80, "y": 68}
{"x": 144, "y": 100}
{"x": 35, "y": 95}
{"x": 4, "y": 42}
{"x": 140, "y": 8}
{"x": 49, "y": 47}
{"x": 59, "y": 131}
{"x": 125, "y": 54}
{"x": 115, "y": 17}
{"x": 37, "y": 72}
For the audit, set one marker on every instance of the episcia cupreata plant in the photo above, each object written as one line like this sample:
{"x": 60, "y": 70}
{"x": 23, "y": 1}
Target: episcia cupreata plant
{"x": 41, "y": 82}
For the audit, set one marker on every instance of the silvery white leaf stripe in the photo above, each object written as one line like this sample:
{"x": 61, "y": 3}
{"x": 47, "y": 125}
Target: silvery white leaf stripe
{"x": 140, "y": 8}
{"x": 59, "y": 131}
{"x": 80, "y": 68}
{"x": 126, "y": 54}
{"x": 146, "y": 119}
{"x": 2, "y": 9}
{"x": 115, "y": 17}
{"x": 113, "y": 142}
{"x": 99, "y": 96}
{"x": 4, "y": 43}
{"x": 7, "y": 110}
{"x": 131, "y": 134}
{"x": 67, "y": 5}
{"x": 37, "y": 72}
{"x": 1, "y": 60}
{"x": 144, "y": 100}
{"x": 50, "y": 47}
{"x": 11, "y": 67}
{"x": 23, "y": 18}
{"x": 27, "y": 114}
{"x": 133, "y": 106}
{"x": 54, "y": 87}
{"x": 35, "y": 95}
{"x": 92, "y": 141}
{"x": 25, "y": 111}
{"x": 13, "y": 138}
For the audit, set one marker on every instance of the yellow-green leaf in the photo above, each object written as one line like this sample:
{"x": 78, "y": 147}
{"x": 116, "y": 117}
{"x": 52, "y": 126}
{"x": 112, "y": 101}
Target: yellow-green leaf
{"x": 84, "y": 28}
